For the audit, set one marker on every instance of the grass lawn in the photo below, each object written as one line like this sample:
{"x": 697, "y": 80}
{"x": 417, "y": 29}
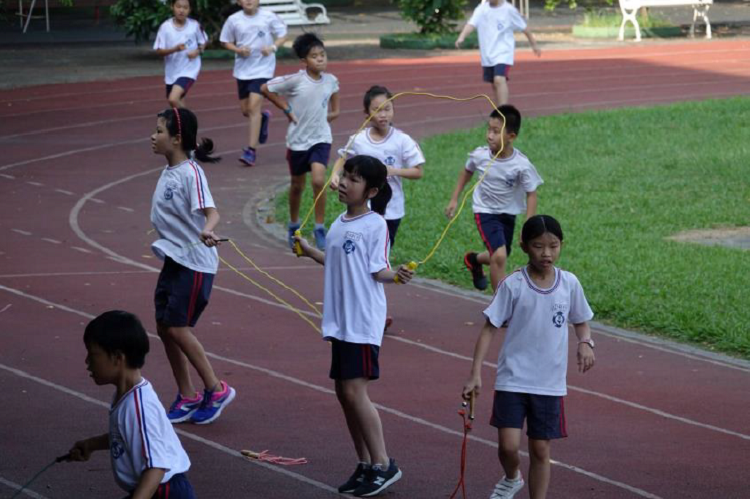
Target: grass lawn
{"x": 620, "y": 182}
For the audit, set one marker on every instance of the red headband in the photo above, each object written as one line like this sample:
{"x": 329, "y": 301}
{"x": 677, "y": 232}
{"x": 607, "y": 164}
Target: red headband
{"x": 179, "y": 123}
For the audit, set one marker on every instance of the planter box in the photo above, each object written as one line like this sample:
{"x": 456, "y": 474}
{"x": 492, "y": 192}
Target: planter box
{"x": 613, "y": 32}
{"x": 416, "y": 41}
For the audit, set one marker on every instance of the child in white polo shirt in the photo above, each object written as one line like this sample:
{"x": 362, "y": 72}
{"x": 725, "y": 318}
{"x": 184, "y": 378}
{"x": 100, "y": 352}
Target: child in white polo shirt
{"x": 495, "y": 22}
{"x": 254, "y": 35}
{"x": 538, "y": 303}
{"x": 180, "y": 40}
{"x": 310, "y": 100}
{"x": 147, "y": 458}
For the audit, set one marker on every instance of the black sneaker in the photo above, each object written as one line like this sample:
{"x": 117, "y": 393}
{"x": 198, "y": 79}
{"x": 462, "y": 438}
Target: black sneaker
{"x": 377, "y": 480}
{"x": 355, "y": 480}
{"x": 477, "y": 274}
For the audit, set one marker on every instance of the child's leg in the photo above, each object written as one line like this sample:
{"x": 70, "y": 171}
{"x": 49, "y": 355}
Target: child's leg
{"x": 254, "y": 103}
{"x": 500, "y": 86}
{"x": 296, "y": 189}
{"x": 178, "y": 362}
{"x": 191, "y": 348}
{"x": 175, "y": 96}
{"x": 357, "y": 401}
{"x": 539, "y": 469}
{"x": 497, "y": 266}
{"x": 353, "y": 424}
{"x": 318, "y": 178}
{"x": 509, "y": 443}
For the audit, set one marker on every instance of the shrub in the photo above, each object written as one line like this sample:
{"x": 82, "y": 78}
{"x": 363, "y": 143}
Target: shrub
{"x": 433, "y": 16}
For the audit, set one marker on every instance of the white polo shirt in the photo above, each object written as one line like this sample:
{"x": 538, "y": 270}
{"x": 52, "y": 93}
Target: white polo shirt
{"x": 178, "y": 64}
{"x": 141, "y": 437}
{"x": 309, "y": 101}
{"x": 354, "y": 306}
{"x": 504, "y": 188}
{"x": 255, "y": 32}
{"x": 180, "y": 197}
{"x": 534, "y": 356}
{"x": 495, "y": 27}
{"x": 396, "y": 150}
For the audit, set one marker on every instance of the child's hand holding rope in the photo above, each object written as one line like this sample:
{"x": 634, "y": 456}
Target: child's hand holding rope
{"x": 403, "y": 274}
{"x": 209, "y": 238}
{"x": 472, "y": 387}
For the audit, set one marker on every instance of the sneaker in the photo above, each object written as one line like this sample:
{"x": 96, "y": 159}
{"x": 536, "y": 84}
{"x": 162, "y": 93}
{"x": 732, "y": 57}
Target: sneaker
{"x": 388, "y": 322}
{"x": 183, "y": 408}
{"x": 213, "y": 403}
{"x": 265, "y": 117}
{"x": 320, "y": 238}
{"x": 377, "y": 480}
{"x": 248, "y": 157}
{"x": 477, "y": 274}
{"x": 506, "y": 489}
{"x": 355, "y": 480}
{"x": 293, "y": 227}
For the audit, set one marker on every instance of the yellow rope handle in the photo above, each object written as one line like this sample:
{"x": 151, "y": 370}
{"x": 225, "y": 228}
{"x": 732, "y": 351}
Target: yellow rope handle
{"x": 277, "y": 281}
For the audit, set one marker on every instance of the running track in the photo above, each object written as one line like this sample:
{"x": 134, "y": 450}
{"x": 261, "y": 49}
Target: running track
{"x": 76, "y": 179}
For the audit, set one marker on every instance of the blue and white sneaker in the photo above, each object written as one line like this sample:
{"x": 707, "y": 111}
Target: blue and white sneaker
{"x": 213, "y": 403}
{"x": 182, "y": 408}
{"x": 292, "y": 227}
{"x": 248, "y": 157}
{"x": 265, "y": 118}
{"x": 377, "y": 479}
{"x": 320, "y": 238}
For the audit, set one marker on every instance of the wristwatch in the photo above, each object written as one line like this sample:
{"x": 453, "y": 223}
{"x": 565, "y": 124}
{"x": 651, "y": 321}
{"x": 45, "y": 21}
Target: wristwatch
{"x": 589, "y": 342}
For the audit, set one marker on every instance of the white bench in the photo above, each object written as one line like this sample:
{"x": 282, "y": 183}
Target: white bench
{"x": 630, "y": 9}
{"x": 294, "y": 12}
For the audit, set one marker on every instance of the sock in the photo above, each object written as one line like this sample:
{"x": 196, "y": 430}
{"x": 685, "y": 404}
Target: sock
{"x": 293, "y": 225}
{"x": 250, "y": 148}
{"x": 516, "y": 479}
{"x": 320, "y": 226}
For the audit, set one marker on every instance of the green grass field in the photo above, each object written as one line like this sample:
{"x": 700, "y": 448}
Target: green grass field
{"x": 620, "y": 182}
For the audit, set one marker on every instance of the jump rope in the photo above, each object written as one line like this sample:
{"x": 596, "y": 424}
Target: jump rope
{"x": 467, "y": 410}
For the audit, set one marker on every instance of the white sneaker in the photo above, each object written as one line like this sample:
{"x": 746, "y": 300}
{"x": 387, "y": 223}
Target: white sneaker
{"x": 506, "y": 489}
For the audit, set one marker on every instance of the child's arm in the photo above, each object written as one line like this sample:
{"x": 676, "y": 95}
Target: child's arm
{"x": 335, "y": 173}
{"x": 334, "y": 111}
{"x": 413, "y": 173}
{"x": 277, "y": 43}
{"x": 531, "y": 203}
{"x": 212, "y": 220}
{"x": 81, "y": 450}
{"x": 280, "y": 102}
{"x": 585, "y": 350}
{"x": 474, "y": 383}
{"x": 149, "y": 482}
{"x": 389, "y": 275}
{"x": 166, "y": 52}
{"x": 240, "y": 51}
{"x": 463, "y": 179}
{"x": 532, "y": 42}
{"x": 309, "y": 251}
{"x": 468, "y": 29}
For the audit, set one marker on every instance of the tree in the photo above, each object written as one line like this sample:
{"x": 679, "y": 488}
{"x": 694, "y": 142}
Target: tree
{"x": 433, "y": 16}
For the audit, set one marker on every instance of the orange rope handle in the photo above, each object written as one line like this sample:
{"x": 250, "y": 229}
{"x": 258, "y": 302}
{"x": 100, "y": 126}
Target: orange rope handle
{"x": 270, "y": 458}
{"x": 461, "y": 485}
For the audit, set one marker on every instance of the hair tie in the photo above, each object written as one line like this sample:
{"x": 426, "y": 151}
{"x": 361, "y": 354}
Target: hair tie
{"x": 179, "y": 123}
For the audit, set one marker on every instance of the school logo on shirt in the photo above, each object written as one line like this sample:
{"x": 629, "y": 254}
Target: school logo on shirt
{"x": 116, "y": 449}
{"x": 261, "y": 33}
{"x": 500, "y": 26}
{"x": 349, "y": 247}
{"x": 389, "y": 161}
{"x": 169, "y": 190}
{"x": 558, "y": 319}
{"x": 510, "y": 181}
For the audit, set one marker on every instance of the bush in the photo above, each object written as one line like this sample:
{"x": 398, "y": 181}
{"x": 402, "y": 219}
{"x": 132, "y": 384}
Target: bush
{"x": 433, "y": 16}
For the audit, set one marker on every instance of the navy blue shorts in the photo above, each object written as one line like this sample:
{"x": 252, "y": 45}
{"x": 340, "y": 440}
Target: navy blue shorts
{"x": 247, "y": 87}
{"x": 300, "y": 161}
{"x": 489, "y": 72}
{"x": 181, "y": 294}
{"x": 496, "y": 230}
{"x": 183, "y": 82}
{"x": 544, "y": 414}
{"x": 354, "y": 360}
{"x": 392, "y": 229}
{"x": 178, "y": 487}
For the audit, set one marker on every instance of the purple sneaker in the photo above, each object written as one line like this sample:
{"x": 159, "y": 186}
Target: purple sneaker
{"x": 213, "y": 403}
{"x": 248, "y": 157}
{"x": 265, "y": 118}
{"x": 182, "y": 408}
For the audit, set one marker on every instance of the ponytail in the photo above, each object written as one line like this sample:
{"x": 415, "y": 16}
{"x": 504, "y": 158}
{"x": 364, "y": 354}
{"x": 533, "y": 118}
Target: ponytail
{"x": 204, "y": 150}
{"x": 183, "y": 123}
{"x": 375, "y": 175}
{"x": 379, "y": 203}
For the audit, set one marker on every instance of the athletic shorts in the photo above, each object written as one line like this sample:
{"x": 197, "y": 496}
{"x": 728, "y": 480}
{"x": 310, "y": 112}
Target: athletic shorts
{"x": 392, "y": 229}
{"x": 247, "y": 87}
{"x": 300, "y": 161}
{"x": 354, "y": 360}
{"x": 178, "y": 487}
{"x": 496, "y": 230}
{"x": 181, "y": 294}
{"x": 489, "y": 72}
{"x": 183, "y": 82}
{"x": 544, "y": 414}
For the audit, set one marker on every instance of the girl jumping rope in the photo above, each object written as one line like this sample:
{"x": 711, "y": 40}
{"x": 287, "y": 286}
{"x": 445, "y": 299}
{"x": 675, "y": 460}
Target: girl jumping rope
{"x": 184, "y": 215}
{"x": 538, "y": 302}
{"x": 354, "y": 310}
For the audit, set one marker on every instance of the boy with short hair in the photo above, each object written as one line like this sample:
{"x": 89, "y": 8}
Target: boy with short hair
{"x": 495, "y": 22}
{"x": 508, "y": 188}
{"x": 254, "y": 35}
{"x": 147, "y": 457}
{"x": 310, "y": 100}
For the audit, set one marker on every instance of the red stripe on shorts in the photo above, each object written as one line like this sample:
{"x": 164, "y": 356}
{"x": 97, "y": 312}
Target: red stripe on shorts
{"x": 481, "y": 233}
{"x": 197, "y": 282}
{"x": 563, "y": 426}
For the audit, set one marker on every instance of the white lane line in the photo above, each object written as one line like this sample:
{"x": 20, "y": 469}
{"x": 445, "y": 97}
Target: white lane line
{"x": 63, "y": 191}
{"x": 82, "y": 250}
{"x": 6, "y": 307}
{"x": 5, "y": 175}
{"x": 130, "y": 272}
{"x": 22, "y": 232}
{"x": 300, "y": 382}
{"x": 98, "y": 201}
{"x": 17, "y": 486}
{"x": 186, "y": 434}
{"x": 125, "y": 208}
{"x": 35, "y": 184}
{"x": 50, "y": 240}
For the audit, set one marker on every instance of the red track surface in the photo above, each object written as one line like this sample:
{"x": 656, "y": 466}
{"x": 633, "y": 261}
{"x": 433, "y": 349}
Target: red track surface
{"x": 76, "y": 180}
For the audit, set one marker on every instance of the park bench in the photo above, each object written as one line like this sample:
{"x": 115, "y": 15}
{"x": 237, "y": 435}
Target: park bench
{"x": 294, "y": 12}
{"x": 630, "y": 9}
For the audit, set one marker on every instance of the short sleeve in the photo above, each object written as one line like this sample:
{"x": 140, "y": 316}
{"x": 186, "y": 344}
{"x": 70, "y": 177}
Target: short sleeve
{"x": 378, "y": 246}
{"x": 200, "y": 36}
{"x": 411, "y": 154}
{"x": 198, "y": 192}
{"x": 158, "y": 452}
{"x": 351, "y": 151}
{"x": 500, "y": 308}
{"x": 161, "y": 39}
{"x": 471, "y": 163}
{"x": 517, "y": 20}
{"x": 475, "y": 16}
{"x": 530, "y": 178}
{"x": 278, "y": 28}
{"x": 227, "y": 32}
{"x": 580, "y": 311}
{"x": 334, "y": 85}
{"x": 284, "y": 85}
